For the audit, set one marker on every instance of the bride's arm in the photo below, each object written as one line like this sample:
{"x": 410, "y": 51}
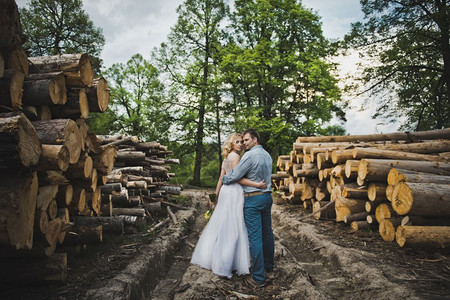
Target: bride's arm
{"x": 218, "y": 187}
{"x": 235, "y": 158}
{"x": 248, "y": 182}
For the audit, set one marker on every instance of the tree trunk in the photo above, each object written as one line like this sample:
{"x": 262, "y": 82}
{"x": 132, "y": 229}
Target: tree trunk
{"x": 378, "y": 169}
{"x": 76, "y": 67}
{"x": 11, "y": 89}
{"x": 351, "y": 168}
{"x": 60, "y": 131}
{"x": 98, "y": 95}
{"x": 384, "y": 211}
{"x": 398, "y": 175}
{"x": 80, "y": 235}
{"x": 104, "y": 161}
{"x": 139, "y": 212}
{"x": 109, "y": 224}
{"x": 387, "y": 228}
{"x": 18, "y": 208}
{"x": 76, "y": 107}
{"x": 39, "y": 91}
{"x": 397, "y": 136}
{"x": 361, "y": 216}
{"x": 359, "y": 153}
{"x": 54, "y": 157}
{"x": 377, "y": 191}
{"x": 17, "y": 59}
{"x": 19, "y": 140}
{"x": 82, "y": 169}
{"x": 422, "y": 199}
{"x": 10, "y": 28}
{"x": 423, "y": 236}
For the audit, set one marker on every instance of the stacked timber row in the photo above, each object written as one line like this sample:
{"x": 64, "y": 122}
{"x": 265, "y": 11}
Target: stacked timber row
{"x": 137, "y": 186}
{"x": 398, "y": 183}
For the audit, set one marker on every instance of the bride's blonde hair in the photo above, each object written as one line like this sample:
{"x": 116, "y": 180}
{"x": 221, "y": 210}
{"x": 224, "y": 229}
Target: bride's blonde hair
{"x": 228, "y": 145}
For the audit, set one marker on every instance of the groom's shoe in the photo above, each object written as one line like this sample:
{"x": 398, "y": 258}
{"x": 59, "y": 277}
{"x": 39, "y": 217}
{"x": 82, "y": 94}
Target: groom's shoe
{"x": 252, "y": 283}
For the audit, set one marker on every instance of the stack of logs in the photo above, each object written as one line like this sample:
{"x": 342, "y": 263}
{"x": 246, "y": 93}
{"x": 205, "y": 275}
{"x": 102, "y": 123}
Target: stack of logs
{"x": 396, "y": 182}
{"x": 52, "y": 168}
{"x": 137, "y": 185}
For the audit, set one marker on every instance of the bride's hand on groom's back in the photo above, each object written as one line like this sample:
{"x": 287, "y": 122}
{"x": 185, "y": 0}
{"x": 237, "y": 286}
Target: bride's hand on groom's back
{"x": 262, "y": 184}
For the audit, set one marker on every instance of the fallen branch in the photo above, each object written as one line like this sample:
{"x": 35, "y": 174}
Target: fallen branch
{"x": 172, "y": 215}
{"x": 321, "y": 209}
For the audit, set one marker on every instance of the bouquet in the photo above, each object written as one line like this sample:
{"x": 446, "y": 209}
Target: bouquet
{"x": 208, "y": 213}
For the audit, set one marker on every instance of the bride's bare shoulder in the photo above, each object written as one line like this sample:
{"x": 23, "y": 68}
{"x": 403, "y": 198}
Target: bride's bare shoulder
{"x": 233, "y": 156}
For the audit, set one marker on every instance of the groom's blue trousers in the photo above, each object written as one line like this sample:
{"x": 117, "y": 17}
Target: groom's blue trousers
{"x": 257, "y": 215}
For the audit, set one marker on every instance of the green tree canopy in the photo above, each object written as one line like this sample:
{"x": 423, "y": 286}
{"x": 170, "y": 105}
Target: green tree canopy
{"x": 61, "y": 26}
{"x": 189, "y": 60}
{"x": 406, "y": 63}
{"x": 277, "y": 70}
{"x": 138, "y": 105}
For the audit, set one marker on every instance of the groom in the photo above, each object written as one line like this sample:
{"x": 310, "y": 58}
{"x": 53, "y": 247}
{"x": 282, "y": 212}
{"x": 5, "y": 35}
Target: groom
{"x": 256, "y": 165}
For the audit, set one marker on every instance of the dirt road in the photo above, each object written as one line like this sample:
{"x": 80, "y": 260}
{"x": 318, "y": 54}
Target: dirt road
{"x": 317, "y": 260}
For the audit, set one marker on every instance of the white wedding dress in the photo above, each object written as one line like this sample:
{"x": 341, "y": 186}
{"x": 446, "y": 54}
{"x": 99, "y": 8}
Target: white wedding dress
{"x": 223, "y": 244}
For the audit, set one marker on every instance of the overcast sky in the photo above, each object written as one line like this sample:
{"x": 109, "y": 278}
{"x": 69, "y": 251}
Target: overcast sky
{"x": 137, "y": 26}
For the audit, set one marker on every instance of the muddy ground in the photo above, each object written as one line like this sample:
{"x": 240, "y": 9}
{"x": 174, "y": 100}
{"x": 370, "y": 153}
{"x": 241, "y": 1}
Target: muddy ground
{"x": 315, "y": 259}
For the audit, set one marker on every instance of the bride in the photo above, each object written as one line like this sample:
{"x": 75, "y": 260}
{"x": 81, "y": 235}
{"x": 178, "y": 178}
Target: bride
{"x": 223, "y": 244}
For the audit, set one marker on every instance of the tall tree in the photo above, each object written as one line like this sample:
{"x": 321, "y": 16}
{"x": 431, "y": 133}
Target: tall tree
{"x": 407, "y": 59}
{"x": 61, "y": 26}
{"x": 138, "y": 105}
{"x": 277, "y": 70}
{"x": 188, "y": 58}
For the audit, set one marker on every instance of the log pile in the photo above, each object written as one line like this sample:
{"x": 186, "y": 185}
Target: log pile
{"x": 396, "y": 183}
{"x": 56, "y": 174}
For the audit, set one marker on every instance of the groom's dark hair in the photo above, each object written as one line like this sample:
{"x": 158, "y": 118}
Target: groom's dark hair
{"x": 253, "y": 133}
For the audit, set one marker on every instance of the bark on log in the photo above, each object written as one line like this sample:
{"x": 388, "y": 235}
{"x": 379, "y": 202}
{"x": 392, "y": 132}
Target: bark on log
{"x": 98, "y": 95}
{"x": 361, "y": 216}
{"x": 109, "y": 224}
{"x": 378, "y": 169}
{"x": 141, "y": 184}
{"x": 138, "y": 212}
{"x": 78, "y": 201}
{"x": 130, "y": 156}
{"x": 76, "y": 107}
{"x": 351, "y": 168}
{"x": 60, "y": 131}
{"x": 111, "y": 188}
{"x": 40, "y": 222}
{"x": 11, "y": 89}
{"x": 359, "y": 153}
{"x": 95, "y": 198}
{"x": 129, "y": 170}
{"x": 424, "y": 221}
{"x": 104, "y": 161}
{"x": 10, "y": 28}
{"x": 399, "y": 175}
{"x": 76, "y": 67}
{"x": 424, "y": 147}
{"x": 345, "y": 207}
{"x": 17, "y": 59}
{"x": 43, "y": 113}
{"x": 423, "y": 199}
{"x": 80, "y": 235}
{"x": 46, "y": 194}
{"x": 387, "y": 228}
{"x": 18, "y": 204}
{"x": 120, "y": 200}
{"x": 92, "y": 143}
{"x": 377, "y": 191}
{"x": 54, "y": 157}
{"x": 38, "y": 91}
{"x": 64, "y": 195}
{"x": 423, "y": 236}
{"x": 20, "y": 142}
{"x": 351, "y": 191}
{"x": 397, "y": 136}
{"x": 82, "y": 169}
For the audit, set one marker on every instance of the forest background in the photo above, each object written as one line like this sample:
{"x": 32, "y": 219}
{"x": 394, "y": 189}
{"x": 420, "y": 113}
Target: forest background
{"x": 230, "y": 65}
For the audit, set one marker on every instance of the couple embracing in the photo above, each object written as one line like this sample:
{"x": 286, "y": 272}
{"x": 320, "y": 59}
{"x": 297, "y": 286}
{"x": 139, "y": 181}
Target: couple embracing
{"x": 241, "y": 225}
